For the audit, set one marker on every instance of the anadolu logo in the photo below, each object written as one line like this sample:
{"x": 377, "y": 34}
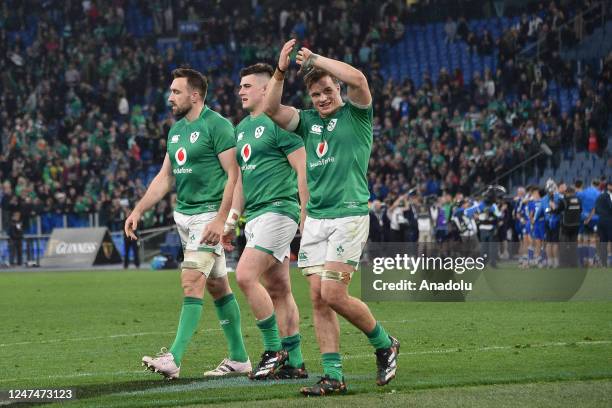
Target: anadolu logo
{"x": 245, "y": 152}
{"x": 181, "y": 156}
{"x": 322, "y": 148}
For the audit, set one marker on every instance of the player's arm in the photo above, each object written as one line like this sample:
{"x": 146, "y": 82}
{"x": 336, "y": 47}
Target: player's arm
{"x": 212, "y": 232}
{"x": 159, "y": 187}
{"x": 287, "y": 117}
{"x": 358, "y": 90}
{"x": 297, "y": 160}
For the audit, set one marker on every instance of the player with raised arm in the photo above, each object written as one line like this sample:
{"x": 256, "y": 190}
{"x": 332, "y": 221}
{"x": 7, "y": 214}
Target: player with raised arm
{"x": 201, "y": 157}
{"x": 338, "y": 141}
{"x": 270, "y": 158}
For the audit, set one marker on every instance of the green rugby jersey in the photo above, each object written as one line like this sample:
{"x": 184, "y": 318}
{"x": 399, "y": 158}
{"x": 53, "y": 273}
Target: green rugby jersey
{"x": 269, "y": 182}
{"x": 193, "y": 148}
{"x": 337, "y": 154}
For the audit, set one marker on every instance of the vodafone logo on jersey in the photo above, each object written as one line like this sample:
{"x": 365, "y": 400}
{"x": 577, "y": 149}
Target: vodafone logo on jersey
{"x": 181, "y": 156}
{"x": 245, "y": 152}
{"x": 322, "y": 148}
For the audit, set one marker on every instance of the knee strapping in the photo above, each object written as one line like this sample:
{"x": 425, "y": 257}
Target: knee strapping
{"x": 199, "y": 260}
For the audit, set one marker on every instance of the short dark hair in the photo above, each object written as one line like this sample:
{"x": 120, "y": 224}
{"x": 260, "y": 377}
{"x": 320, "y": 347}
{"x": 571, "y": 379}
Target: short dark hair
{"x": 315, "y": 75}
{"x": 195, "y": 79}
{"x": 578, "y": 183}
{"x": 259, "y": 68}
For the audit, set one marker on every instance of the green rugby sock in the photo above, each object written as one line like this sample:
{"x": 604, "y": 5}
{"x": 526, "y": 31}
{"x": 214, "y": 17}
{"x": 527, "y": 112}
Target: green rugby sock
{"x": 269, "y": 332}
{"x": 188, "y": 322}
{"x": 379, "y": 338}
{"x": 294, "y": 349}
{"x": 332, "y": 366}
{"x": 228, "y": 313}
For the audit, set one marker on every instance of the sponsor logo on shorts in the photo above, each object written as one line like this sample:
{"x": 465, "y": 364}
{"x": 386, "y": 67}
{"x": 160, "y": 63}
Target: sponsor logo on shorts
{"x": 302, "y": 256}
{"x": 259, "y": 131}
{"x": 194, "y": 136}
{"x": 339, "y": 250}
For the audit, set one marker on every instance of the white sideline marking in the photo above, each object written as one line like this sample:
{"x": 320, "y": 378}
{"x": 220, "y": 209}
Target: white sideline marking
{"x": 347, "y": 357}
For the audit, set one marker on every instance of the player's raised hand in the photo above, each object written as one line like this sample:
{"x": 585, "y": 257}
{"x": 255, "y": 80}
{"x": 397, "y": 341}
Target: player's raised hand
{"x": 285, "y": 55}
{"x": 305, "y": 59}
{"x": 212, "y": 233}
{"x": 131, "y": 224}
{"x": 303, "y": 55}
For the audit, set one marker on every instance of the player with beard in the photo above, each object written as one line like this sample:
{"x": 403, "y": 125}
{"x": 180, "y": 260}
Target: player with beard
{"x": 201, "y": 157}
{"x": 270, "y": 158}
{"x": 338, "y": 141}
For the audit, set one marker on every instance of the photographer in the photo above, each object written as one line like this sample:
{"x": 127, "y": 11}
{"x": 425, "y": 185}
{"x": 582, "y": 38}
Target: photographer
{"x": 463, "y": 221}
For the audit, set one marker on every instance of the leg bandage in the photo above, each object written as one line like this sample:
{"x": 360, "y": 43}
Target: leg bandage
{"x": 344, "y": 277}
{"x": 199, "y": 260}
{"x": 326, "y": 274}
{"x": 313, "y": 270}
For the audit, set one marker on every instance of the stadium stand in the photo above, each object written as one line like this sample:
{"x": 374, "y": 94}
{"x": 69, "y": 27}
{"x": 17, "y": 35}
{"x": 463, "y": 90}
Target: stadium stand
{"x": 84, "y": 85}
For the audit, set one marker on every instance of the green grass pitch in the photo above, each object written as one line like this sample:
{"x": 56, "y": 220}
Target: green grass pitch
{"x": 88, "y": 330}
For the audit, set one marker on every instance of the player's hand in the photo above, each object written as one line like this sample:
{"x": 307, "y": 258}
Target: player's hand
{"x": 212, "y": 232}
{"x": 285, "y": 56}
{"x": 226, "y": 241}
{"x": 305, "y": 59}
{"x": 131, "y": 224}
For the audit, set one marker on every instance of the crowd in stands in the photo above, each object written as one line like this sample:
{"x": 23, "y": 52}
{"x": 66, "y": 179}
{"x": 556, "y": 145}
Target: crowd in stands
{"x": 84, "y": 118}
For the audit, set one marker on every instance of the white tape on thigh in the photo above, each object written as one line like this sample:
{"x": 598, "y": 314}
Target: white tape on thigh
{"x": 313, "y": 270}
{"x": 344, "y": 277}
{"x": 202, "y": 261}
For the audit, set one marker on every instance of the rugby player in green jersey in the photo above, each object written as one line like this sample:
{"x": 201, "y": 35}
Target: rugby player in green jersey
{"x": 270, "y": 158}
{"x": 338, "y": 140}
{"x": 201, "y": 157}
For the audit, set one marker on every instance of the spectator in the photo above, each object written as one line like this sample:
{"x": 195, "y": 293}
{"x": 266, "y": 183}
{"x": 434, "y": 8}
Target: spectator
{"x": 450, "y": 29}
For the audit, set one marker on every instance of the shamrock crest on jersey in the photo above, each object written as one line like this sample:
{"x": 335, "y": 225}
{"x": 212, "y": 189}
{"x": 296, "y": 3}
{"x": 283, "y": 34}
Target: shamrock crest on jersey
{"x": 245, "y": 152}
{"x": 194, "y": 136}
{"x": 181, "y": 156}
{"x": 259, "y": 131}
{"x": 322, "y": 148}
{"x": 332, "y": 124}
